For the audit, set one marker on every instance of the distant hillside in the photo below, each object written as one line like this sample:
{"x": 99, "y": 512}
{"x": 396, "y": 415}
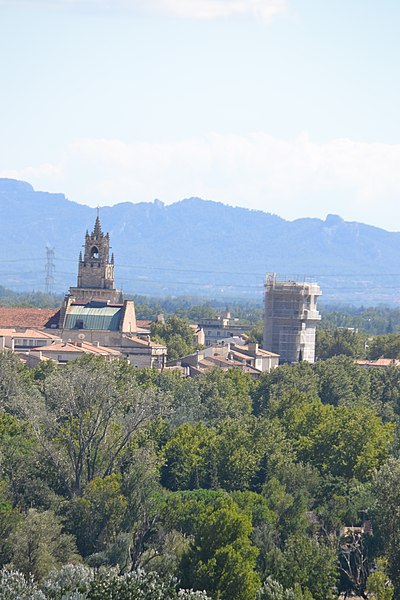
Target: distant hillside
{"x": 195, "y": 247}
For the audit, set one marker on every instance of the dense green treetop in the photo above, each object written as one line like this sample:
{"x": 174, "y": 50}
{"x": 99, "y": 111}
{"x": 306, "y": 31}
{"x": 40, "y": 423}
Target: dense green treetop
{"x": 176, "y": 334}
{"x": 229, "y": 485}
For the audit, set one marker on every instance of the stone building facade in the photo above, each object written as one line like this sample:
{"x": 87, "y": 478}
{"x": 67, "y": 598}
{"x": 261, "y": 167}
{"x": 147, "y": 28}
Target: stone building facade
{"x": 220, "y": 328}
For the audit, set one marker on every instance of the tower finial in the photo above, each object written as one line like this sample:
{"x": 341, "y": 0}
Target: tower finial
{"x": 97, "y": 226}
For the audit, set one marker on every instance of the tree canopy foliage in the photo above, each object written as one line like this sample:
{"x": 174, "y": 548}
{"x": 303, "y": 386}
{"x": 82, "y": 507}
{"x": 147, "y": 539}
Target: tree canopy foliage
{"x": 119, "y": 479}
{"x": 177, "y": 334}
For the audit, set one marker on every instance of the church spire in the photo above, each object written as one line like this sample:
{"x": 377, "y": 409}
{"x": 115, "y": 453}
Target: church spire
{"x": 97, "y": 227}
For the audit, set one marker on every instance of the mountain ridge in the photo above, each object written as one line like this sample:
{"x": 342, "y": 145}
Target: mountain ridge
{"x": 196, "y": 246}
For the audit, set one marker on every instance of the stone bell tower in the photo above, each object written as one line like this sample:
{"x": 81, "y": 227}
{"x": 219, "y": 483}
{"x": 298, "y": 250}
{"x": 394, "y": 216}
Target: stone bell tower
{"x": 96, "y": 270}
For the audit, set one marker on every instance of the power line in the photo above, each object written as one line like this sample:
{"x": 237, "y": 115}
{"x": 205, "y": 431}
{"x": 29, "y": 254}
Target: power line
{"x": 206, "y": 271}
{"x": 230, "y": 284}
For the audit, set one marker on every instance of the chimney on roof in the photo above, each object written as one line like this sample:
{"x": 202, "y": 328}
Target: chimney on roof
{"x": 252, "y": 347}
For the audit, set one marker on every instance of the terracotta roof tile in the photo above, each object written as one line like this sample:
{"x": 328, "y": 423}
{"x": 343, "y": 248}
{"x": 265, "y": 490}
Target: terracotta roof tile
{"x": 144, "y": 323}
{"x": 84, "y": 347}
{"x": 28, "y": 333}
{"x": 237, "y": 354}
{"x": 143, "y": 342}
{"x": 379, "y": 362}
{"x": 252, "y": 353}
{"x": 11, "y": 316}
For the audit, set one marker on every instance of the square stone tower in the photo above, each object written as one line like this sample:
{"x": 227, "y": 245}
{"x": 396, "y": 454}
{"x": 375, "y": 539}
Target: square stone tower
{"x": 290, "y": 319}
{"x": 96, "y": 270}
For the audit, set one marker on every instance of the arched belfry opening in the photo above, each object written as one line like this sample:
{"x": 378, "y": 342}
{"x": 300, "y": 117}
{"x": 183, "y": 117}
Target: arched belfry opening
{"x": 94, "y": 253}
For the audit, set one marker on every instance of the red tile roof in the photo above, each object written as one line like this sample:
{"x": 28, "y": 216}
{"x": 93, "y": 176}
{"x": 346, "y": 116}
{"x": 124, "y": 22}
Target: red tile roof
{"x": 144, "y": 323}
{"x": 84, "y": 347}
{"x": 11, "y": 316}
{"x": 28, "y": 333}
{"x": 380, "y": 362}
{"x": 142, "y": 342}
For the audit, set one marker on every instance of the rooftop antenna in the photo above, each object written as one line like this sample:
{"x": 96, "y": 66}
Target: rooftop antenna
{"x": 49, "y": 282}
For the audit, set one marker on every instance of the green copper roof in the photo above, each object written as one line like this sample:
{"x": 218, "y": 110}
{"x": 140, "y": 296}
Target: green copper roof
{"x": 88, "y": 317}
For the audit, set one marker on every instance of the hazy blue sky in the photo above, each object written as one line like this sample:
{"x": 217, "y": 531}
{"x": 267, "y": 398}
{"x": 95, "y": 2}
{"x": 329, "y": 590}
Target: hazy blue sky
{"x": 288, "y": 106}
